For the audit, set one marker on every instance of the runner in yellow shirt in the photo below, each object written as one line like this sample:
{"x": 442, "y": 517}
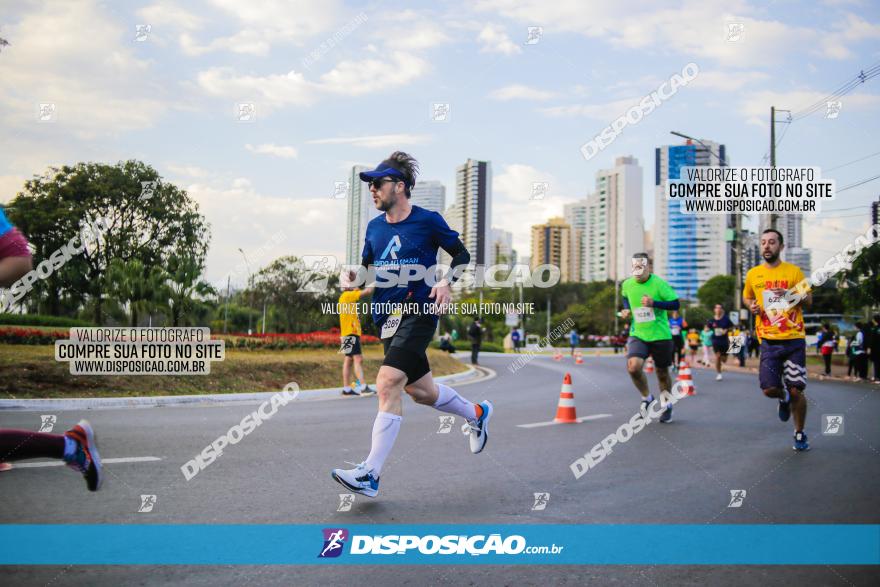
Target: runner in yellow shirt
{"x": 774, "y": 292}
{"x": 350, "y": 333}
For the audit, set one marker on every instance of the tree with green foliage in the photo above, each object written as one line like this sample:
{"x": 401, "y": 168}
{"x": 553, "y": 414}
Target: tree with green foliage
{"x": 149, "y": 226}
{"x": 863, "y": 280}
{"x": 719, "y": 289}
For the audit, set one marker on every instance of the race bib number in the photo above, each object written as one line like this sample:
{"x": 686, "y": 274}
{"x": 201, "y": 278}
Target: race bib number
{"x": 392, "y": 323}
{"x": 676, "y": 331}
{"x": 774, "y": 306}
{"x": 643, "y": 314}
{"x": 720, "y": 331}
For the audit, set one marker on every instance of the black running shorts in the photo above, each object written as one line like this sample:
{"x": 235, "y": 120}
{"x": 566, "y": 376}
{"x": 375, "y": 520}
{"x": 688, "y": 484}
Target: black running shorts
{"x": 661, "y": 350}
{"x": 407, "y": 348}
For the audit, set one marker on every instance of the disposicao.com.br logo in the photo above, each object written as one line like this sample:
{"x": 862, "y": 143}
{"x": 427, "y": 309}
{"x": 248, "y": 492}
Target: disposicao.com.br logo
{"x": 476, "y": 545}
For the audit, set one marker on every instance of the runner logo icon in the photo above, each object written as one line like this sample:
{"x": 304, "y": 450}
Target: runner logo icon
{"x": 334, "y": 540}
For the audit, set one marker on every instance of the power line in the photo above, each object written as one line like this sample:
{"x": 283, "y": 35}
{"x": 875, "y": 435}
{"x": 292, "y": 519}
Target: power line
{"x": 851, "y": 162}
{"x": 858, "y": 183}
{"x": 846, "y": 88}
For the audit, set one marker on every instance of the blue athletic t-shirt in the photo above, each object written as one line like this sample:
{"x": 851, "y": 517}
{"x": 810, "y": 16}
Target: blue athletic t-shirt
{"x": 413, "y": 241}
{"x": 5, "y": 225}
{"x": 719, "y": 325}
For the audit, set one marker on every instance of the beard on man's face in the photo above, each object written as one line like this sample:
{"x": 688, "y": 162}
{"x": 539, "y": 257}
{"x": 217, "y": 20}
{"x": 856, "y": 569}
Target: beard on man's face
{"x": 770, "y": 256}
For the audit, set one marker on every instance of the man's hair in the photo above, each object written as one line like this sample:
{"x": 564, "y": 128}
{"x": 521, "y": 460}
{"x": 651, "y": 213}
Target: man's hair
{"x": 642, "y": 256}
{"x": 779, "y": 234}
{"x": 407, "y": 165}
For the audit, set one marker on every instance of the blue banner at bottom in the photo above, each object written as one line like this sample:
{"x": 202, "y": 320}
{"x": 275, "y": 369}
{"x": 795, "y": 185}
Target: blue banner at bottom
{"x": 793, "y": 544}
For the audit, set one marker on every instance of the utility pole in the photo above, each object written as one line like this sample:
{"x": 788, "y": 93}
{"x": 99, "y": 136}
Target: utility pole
{"x": 226, "y": 310}
{"x": 773, "y": 152}
{"x": 548, "y": 317}
{"x": 616, "y": 304}
{"x": 264, "y": 315}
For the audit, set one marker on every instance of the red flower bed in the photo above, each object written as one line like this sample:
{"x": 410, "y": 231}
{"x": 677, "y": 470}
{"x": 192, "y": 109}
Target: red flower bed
{"x": 282, "y": 340}
{"x": 17, "y": 335}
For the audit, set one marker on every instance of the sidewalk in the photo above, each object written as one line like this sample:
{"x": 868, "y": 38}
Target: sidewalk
{"x": 814, "y": 370}
{"x": 471, "y": 375}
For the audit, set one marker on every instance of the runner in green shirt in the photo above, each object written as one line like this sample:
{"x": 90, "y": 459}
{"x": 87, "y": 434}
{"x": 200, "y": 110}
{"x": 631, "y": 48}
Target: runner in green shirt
{"x": 647, "y": 298}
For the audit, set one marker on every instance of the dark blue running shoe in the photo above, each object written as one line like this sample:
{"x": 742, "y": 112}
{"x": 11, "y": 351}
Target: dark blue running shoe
{"x": 800, "y": 442}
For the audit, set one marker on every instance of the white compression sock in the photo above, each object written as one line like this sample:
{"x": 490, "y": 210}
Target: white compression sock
{"x": 385, "y": 429}
{"x": 449, "y": 401}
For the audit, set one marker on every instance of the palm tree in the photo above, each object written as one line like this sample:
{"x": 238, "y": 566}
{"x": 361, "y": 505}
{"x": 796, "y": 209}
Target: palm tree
{"x": 182, "y": 283}
{"x": 141, "y": 288}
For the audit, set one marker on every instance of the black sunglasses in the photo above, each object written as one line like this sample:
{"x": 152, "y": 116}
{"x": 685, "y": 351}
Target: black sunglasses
{"x": 379, "y": 181}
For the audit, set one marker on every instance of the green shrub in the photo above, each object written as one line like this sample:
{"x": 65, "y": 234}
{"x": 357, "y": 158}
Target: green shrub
{"x": 41, "y": 320}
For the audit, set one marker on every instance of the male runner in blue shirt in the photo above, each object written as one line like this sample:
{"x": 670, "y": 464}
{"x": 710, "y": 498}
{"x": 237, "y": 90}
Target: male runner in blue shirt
{"x": 404, "y": 241}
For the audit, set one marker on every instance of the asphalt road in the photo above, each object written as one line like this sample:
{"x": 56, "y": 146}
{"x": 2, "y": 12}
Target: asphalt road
{"x": 725, "y": 438}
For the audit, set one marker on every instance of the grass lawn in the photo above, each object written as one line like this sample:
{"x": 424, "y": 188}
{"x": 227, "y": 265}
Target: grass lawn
{"x": 30, "y": 371}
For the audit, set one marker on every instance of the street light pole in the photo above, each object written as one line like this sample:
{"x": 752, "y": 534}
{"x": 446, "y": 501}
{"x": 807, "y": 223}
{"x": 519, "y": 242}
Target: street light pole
{"x": 251, "y": 287}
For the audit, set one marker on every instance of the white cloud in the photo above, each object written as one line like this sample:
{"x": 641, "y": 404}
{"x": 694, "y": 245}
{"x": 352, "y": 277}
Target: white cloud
{"x": 274, "y": 150}
{"x": 693, "y": 28}
{"x": 169, "y": 14}
{"x": 10, "y": 185}
{"x": 188, "y": 170}
{"x": 354, "y": 78}
{"x": 756, "y": 106}
{"x": 495, "y": 40}
{"x": 242, "y": 217}
{"x": 375, "y": 141}
{"x": 248, "y": 42}
{"x": 512, "y": 207}
{"x": 423, "y": 31}
{"x": 826, "y": 237}
{"x": 521, "y": 92}
{"x": 268, "y": 92}
{"x": 74, "y": 55}
{"x": 606, "y": 111}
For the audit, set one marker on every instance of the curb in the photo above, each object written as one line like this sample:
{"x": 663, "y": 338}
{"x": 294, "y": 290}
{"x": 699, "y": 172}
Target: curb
{"x": 472, "y": 375}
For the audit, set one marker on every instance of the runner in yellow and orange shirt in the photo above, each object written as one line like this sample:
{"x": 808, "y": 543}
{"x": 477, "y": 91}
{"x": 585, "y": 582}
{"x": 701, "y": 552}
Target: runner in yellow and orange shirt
{"x": 769, "y": 292}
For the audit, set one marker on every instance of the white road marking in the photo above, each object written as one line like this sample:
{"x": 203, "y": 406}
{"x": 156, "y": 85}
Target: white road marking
{"x": 60, "y": 463}
{"x": 553, "y": 423}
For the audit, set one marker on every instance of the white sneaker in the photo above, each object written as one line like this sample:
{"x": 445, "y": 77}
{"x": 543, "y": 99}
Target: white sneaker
{"x": 718, "y": 377}
{"x": 478, "y": 430}
{"x": 358, "y": 480}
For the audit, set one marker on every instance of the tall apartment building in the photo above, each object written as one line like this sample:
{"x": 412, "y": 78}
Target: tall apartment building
{"x": 430, "y": 195}
{"x": 360, "y": 211}
{"x": 555, "y": 243}
{"x": 689, "y": 248}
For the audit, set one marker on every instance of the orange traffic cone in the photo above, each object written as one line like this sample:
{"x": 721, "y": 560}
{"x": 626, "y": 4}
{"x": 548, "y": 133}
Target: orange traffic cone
{"x": 578, "y": 358}
{"x": 649, "y": 365}
{"x": 687, "y": 381}
{"x": 565, "y": 411}
{"x": 557, "y": 356}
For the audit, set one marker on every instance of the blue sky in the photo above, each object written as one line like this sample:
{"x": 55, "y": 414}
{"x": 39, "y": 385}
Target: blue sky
{"x": 170, "y": 99}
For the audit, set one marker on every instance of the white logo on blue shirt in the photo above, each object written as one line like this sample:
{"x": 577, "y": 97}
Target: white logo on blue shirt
{"x": 393, "y": 246}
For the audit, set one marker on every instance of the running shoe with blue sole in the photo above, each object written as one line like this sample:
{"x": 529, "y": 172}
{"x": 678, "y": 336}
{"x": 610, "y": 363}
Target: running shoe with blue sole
{"x": 358, "y": 480}
{"x": 478, "y": 430}
{"x": 666, "y": 416}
